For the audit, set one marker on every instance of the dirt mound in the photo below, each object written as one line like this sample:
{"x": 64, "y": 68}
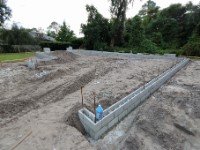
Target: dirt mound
{"x": 71, "y": 118}
{"x": 55, "y": 74}
{"x": 63, "y": 56}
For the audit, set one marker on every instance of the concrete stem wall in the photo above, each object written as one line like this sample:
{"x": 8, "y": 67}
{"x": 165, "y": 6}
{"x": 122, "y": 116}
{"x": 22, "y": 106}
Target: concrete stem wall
{"x": 128, "y": 55}
{"x": 119, "y": 110}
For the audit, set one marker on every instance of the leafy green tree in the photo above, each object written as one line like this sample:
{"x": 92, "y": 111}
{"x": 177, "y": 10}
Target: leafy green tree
{"x": 193, "y": 45}
{"x": 53, "y": 29}
{"x": 96, "y": 31}
{"x": 135, "y": 31}
{"x": 118, "y": 10}
{"x": 5, "y": 12}
{"x": 17, "y": 36}
{"x": 149, "y": 11}
{"x": 191, "y": 19}
{"x": 65, "y": 34}
{"x": 167, "y": 25}
{"x": 169, "y": 28}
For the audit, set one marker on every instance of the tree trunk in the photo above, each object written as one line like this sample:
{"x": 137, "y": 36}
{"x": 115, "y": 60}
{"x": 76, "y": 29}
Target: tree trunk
{"x": 112, "y": 42}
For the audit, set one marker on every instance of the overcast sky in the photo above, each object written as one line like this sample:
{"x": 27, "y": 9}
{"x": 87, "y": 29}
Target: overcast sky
{"x": 40, "y": 13}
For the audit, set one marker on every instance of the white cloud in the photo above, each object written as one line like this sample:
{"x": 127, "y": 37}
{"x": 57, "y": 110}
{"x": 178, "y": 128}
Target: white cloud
{"x": 40, "y": 13}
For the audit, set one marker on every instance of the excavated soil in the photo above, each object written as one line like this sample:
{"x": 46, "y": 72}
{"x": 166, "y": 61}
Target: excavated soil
{"x": 71, "y": 118}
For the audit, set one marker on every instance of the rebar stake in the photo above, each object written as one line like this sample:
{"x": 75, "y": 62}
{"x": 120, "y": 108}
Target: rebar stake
{"x": 82, "y": 95}
{"x": 94, "y": 108}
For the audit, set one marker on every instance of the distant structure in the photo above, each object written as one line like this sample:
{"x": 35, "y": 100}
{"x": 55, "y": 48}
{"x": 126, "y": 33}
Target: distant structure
{"x": 36, "y": 34}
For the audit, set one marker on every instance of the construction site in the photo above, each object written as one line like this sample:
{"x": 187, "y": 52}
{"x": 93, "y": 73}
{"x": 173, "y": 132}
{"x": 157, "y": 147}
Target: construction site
{"x": 149, "y": 101}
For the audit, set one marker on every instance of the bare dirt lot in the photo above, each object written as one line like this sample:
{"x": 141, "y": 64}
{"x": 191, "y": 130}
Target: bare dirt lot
{"x": 43, "y": 108}
{"x": 169, "y": 119}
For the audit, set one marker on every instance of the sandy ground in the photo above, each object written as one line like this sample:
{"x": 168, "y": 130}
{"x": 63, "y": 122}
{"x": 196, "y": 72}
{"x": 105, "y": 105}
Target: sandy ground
{"x": 169, "y": 119}
{"x": 43, "y": 108}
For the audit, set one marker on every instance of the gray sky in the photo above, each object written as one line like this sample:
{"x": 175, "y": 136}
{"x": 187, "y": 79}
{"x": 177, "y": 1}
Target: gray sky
{"x": 40, "y": 13}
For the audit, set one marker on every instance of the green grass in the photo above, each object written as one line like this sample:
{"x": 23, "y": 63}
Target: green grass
{"x": 14, "y": 57}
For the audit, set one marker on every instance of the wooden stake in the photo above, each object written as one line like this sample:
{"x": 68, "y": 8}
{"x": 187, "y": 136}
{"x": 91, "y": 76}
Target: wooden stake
{"x": 94, "y": 109}
{"x": 82, "y": 95}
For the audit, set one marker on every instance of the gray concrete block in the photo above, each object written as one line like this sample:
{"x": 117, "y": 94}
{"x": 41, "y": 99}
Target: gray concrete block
{"x": 148, "y": 94}
{"x": 166, "y": 78}
{"x": 69, "y": 48}
{"x": 89, "y": 123}
{"x": 158, "y": 84}
{"x": 82, "y": 121}
{"x": 131, "y": 100}
{"x": 148, "y": 89}
{"x": 123, "y": 114}
{"x": 85, "y": 111}
{"x": 101, "y": 132}
{"x": 144, "y": 92}
{"x": 133, "y": 106}
{"x": 118, "y": 104}
{"x": 143, "y": 97}
{"x": 110, "y": 109}
{"x": 163, "y": 81}
{"x": 47, "y": 49}
{"x": 118, "y": 111}
{"x": 113, "y": 122}
{"x": 91, "y": 116}
{"x": 87, "y": 129}
{"x": 80, "y": 114}
{"x": 88, "y": 113}
{"x": 131, "y": 95}
{"x": 122, "y": 103}
{"x": 136, "y": 98}
{"x": 114, "y": 106}
{"x": 126, "y": 105}
{"x": 96, "y": 126}
{"x": 130, "y": 108}
{"x": 128, "y": 97}
{"x": 136, "y": 103}
{"x": 107, "y": 119}
{"x": 92, "y": 133}
{"x": 155, "y": 83}
{"x": 154, "y": 88}
{"x": 152, "y": 81}
{"x": 86, "y": 119}
{"x": 137, "y": 91}
{"x": 106, "y": 111}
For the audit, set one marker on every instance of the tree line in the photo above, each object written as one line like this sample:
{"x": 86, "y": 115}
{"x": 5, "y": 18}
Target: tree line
{"x": 172, "y": 29}
{"x": 175, "y": 29}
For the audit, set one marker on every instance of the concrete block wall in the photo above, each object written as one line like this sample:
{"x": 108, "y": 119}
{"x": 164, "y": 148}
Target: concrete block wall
{"x": 44, "y": 56}
{"x": 128, "y": 55}
{"x": 119, "y": 110}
